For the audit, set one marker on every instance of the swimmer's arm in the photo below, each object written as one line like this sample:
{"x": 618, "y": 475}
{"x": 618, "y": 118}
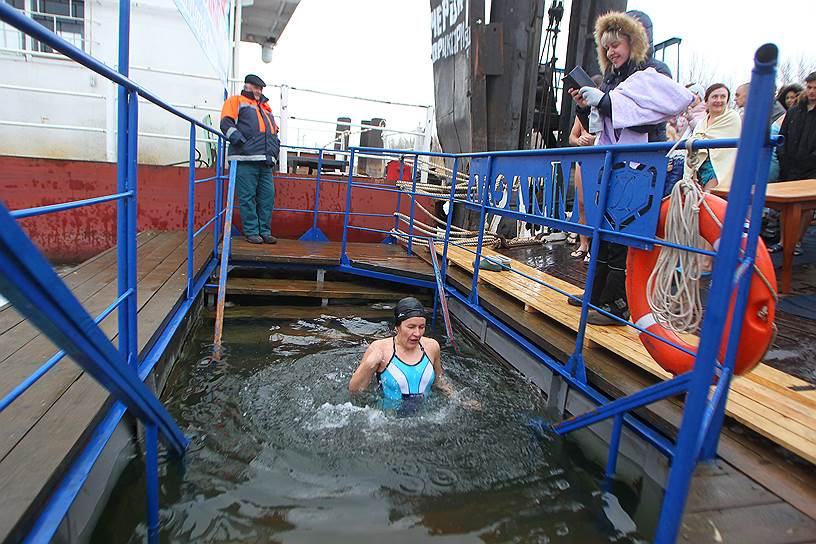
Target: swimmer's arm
{"x": 441, "y": 382}
{"x": 372, "y": 359}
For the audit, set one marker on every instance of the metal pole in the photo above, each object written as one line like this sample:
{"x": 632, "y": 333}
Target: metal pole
{"x": 485, "y": 185}
{"x": 224, "y": 268}
{"x": 122, "y": 118}
{"x": 219, "y": 185}
{"x": 753, "y": 137}
{"x": 399, "y": 194}
{"x": 614, "y": 446}
{"x": 152, "y": 476}
{"x": 317, "y": 190}
{"x": 576, "y": 361}
{"x": 450, "y": 219}
{"x": 343, "y": 257}
{"x": 191, "y": 210}
{"x": 413, "y": 205}
{"x": 131, "y": 205}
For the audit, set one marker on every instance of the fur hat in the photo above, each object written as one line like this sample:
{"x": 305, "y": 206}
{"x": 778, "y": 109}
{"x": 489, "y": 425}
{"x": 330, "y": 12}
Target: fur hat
{"x": 625, "y": 24}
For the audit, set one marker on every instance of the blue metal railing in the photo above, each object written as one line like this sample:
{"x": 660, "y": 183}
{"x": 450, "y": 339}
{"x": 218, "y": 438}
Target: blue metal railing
{"x": 39, "y": 295}
{"x": 733, "y": 269}
{"x": 703, "y": 416}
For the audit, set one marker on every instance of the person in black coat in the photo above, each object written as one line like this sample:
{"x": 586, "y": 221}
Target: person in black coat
{"x": 797, "y": 156}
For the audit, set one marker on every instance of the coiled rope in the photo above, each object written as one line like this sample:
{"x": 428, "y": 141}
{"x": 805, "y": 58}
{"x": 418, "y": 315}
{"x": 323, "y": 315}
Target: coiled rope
{"x": 673, "y": 288}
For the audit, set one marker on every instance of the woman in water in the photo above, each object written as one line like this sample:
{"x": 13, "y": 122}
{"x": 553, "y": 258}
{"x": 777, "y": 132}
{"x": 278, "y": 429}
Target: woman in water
{"x": 406, "y": 365}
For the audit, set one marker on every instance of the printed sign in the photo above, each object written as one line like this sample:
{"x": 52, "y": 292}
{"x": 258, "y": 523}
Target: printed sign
{"x": 450, "y": 31}
{"x": 210, "y": 22}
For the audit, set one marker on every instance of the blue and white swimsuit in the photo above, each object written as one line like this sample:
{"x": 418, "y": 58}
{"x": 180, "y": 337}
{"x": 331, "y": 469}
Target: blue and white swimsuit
{"x": 401, "y": 380}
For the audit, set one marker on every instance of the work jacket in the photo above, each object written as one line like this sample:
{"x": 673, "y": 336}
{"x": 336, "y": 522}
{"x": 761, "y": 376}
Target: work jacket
{"x": 797, "y": 156}
{"x": 250, "y": 128}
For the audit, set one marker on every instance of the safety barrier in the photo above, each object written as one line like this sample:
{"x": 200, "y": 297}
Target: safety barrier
{"x": 36, "y": 291}
{"x": 610, "y": 173}
{"x": 39, "y": 294}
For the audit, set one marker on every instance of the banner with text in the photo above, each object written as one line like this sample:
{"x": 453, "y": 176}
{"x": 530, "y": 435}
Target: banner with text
{"x": 210, "y": 21}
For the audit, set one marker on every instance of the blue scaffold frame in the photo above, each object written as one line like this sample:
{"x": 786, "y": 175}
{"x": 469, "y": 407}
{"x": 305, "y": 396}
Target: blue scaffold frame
{"x": 32, "y": 286}
{"x": 30, "y": 283}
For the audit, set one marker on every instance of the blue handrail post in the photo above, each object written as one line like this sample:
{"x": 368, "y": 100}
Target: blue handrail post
{"x": 575, "y": 364}
{"x": 399, "y": 193}
{"x": 314, "y": 234}
{"x": 486, "y": 186}
{"x": 191, "y": 210}
{"x": 413, "y": 204}
{"x": 131, "y": 306}
{"x": 614, "y": 447}
{"x": 763, "y": 86}
{"x": 754, "y": 133}
{"x": 450, "y": 219}
{"x": 219, "y": 184}
{"x": 344, "y": 260}
{"x": 122, "y": 181}
{"x": 152, "y": 477}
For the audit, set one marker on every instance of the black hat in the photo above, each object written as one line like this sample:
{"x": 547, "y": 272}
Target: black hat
{"x": 407, "y": 308}
{"x": 252, "y": 79}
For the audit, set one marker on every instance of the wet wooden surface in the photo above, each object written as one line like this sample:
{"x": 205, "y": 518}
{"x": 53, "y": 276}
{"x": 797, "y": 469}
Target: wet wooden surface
{"x": 794, "y": 349}
{"x": 389, "y": 258}
{"x": 752, "y": 477}
{"x": 44, "y": 429}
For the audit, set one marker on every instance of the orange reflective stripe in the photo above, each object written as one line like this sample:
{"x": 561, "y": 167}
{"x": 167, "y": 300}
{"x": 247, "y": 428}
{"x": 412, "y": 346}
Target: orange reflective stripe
{"x": 230, "y": 108}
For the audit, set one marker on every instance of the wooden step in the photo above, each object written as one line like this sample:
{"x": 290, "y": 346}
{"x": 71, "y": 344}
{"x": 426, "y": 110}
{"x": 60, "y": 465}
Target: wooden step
{"x": 311, "y": 289}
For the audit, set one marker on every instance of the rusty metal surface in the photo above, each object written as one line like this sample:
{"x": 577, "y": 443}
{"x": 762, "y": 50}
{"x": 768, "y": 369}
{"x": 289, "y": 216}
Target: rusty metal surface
{"x": 75, "y": 235}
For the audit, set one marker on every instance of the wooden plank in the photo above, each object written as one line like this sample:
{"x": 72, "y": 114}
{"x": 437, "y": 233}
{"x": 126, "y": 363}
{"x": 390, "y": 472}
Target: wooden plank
{"x": 16, "y": 420}
{"x": 73, "y": 278}
{"x": 718, "y": 492}
{"x": 19, "y": 336}
{"x": 761, "y": 524}
{"x": 608, "y": 372}
{"x": 35, "y": 464}
{"x": 392, "y": 258}
{"x": 310, "y": 288}
{"x": 287, "y": 251}
{"x": 790, "y": 426}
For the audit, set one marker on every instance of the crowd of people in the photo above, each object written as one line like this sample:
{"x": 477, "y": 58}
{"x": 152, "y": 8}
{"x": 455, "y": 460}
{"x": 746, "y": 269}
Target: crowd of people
{"x": 635, "y": 102}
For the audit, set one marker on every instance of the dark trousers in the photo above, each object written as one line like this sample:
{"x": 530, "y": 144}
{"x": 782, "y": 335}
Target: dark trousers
{"x": 255, "y": 189}
{"x": 609, "y": 286}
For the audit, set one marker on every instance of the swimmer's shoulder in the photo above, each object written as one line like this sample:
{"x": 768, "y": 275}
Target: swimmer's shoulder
{"x": 431, "y": 346}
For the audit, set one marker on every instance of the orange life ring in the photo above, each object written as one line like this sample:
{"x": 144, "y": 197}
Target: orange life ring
{"x": 758, "y": 326}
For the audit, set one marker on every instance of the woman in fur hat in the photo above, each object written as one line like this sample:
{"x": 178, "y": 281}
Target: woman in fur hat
{"x": 631, "y": 106}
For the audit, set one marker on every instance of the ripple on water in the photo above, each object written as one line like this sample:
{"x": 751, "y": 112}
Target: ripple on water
{"x": 278, "y": 446}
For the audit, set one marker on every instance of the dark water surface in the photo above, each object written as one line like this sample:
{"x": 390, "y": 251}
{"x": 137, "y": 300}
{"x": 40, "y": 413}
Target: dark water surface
{"x": 280, "y": 452}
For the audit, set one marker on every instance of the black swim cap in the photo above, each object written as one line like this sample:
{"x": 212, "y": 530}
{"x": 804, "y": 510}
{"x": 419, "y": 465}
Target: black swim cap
{"x": 407, "y": 308}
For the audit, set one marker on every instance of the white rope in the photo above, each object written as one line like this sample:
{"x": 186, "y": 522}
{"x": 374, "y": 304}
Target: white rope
{"x": 673, "y": 288}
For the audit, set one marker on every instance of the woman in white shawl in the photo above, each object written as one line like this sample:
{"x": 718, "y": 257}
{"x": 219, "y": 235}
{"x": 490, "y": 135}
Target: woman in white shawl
{"x": 717, "y": 165}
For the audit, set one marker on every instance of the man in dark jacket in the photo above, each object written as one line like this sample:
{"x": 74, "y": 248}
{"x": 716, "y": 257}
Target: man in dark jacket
{"x": 797, "y": 156}
{"x": 250, "y": 127}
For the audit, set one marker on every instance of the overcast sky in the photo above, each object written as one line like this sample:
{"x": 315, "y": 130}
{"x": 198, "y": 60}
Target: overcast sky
{"x": 381, "y": 49}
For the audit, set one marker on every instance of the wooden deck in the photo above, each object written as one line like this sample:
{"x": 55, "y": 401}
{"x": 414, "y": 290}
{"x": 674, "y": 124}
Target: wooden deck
{"x": 389, "y": 258}
{"x": 771, "y": 403}
{"x": 46, "y": 427}
{"x": 754, "y": 493}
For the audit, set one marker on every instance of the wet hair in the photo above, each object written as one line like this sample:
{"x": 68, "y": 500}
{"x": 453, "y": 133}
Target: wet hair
{"x": 713, "y": 87}
{"x": 407, "y": 308}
